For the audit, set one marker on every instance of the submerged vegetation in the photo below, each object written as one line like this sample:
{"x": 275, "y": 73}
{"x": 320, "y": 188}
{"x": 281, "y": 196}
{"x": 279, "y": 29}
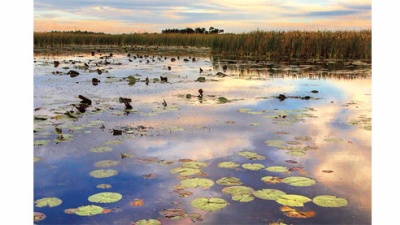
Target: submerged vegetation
{"x": 281, "y": 45}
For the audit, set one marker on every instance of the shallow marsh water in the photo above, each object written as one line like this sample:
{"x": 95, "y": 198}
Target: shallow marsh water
{"x": 327, "y": 138}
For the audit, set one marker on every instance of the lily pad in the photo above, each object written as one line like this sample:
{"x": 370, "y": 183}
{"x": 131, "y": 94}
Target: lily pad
{"x": 209, "y": 204}
{"x": 40, "y": 142}
{"x": 173, "y": 213}
{"x": 105, "y": 197}
{"x": 238, "y": 190}
{"x": 101, "y": 149}
{"x": 294, "y": 213}
{"x": 223, "y": 100}
{"x": 251, "y": 155}
{"x": 292, "y": 200}
{"x": 253, "y": 166}
{"x": 272, "y": 180}
{"x": 38, "y": 216}
{"x": 104, "y": 186}
{"x": 197, "y": 182}
{"x": 268, "y": 194}
{"x": 36, "y": 159}
{"x": 330, "y": 201}
{"x": 102, "y": 173}
{"x": 194, "y": 164}
{"x": 148, "y": 222}
{"x": 296, "y": 153}
{"x": 229, "y": 181}
{"x": 299, "y": 181}
{"x": 276, "y": 143}
{"x": 114, "y": 142}
{"x": 107, "y": 163}
{"x": 89, "y": 210}
{"x": 51, "y": 202}
{"x": 242, "y": 198}
{"x": 185, "y": 171}
{"x": 279, "y": 169}
{"x": 228, "y": 165}
{"x": 303, "y": 138}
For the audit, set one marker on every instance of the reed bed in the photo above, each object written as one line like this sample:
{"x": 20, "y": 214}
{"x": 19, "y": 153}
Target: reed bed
{"x": 259, "y": 44}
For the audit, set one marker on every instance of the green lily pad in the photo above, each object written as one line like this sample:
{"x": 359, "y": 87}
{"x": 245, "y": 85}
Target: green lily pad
{"x": 150, "y": 221}
{"x": 302, "y": 138}
{"x": 222, "y": 100}
{"x": 276, "y": 143}
{"x": 107, "y": 163}
{"x": 101, "y": 149}
{"x": 251, "y": 155}
{"x": 296, "y": 153}
{"x": 242, "y": 198}
{"x": 40, "y": 142}
{"x": 197, "y": 182}
{"x": 279, "y": 169}
{"x": 244, "y": 110}
{"x": 268, "y": 194}
{"x": 228, "y": 165}
{"x": 201, "y": 79}
{"x": 185, "y": 171}
{"x": 105, "y": 197}
{"x": 238, "y": 190}
{"x": 102, "y": 173}
{"x": 89, "y": 210}
{"x": 51, "y": 202}
{"x": 330, "y": 201}
{"x": 272, "y": 179}
{"x": 299, "y": 181}
{"x": 209, "y": 204}
{"x": 229, "y": 181}
{"x": 292, "y": 200}
{"x": 194, "y": 164}
{"x": 253, "y": 166}
{"x": 104, "y": 186}
{"x": 114, "y": 142}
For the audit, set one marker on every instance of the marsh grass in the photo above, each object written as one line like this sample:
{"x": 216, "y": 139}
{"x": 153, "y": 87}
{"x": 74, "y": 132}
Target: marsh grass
{"x": 282, "y": 45}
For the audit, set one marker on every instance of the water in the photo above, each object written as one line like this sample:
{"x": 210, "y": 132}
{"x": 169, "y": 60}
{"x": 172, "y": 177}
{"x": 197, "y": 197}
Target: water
{"x": 328, "y": 136}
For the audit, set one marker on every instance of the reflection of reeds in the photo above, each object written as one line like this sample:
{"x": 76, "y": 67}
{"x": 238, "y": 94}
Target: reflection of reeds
{"x": 263, "y": 44}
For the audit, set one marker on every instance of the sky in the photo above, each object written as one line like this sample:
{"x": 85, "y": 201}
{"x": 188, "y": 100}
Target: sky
{"x": 233, "y": 16}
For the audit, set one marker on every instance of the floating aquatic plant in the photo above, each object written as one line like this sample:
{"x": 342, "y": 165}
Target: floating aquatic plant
{"x": 268, "y": 194}
{"x": 185, "y": 171}
{"x": 89, "y": 210}
{"x": 194, "y": 164}
{"x": 105, "y": 197}
{"x": 253, "y": 166}
{"x": 148, "y": 222}
{"x": 299, "y": 181}
{"x": 50, "y": 202}
{"x": 279, "y": 169}
{"x": 251, "y": 155}
{"x": 294, "y": 213}
{"x": 229, "y": 181}
{"x": 209, "y": 204}
{"x": 228, "y": 165}
{"x": 272, "y": 179}
{"x": 197, "y": 182}
{"x": 240, "y": 193}
{"x": 107, "y": 163}
{"x": 292, "y": 200}
{"x": 104, "y": 186}
{"x": 38, "y": 216}
{"x": 40, "y": 142}
{"x": 329, "y": 201}
{"x": 102, "y": 173}
{"x": 101, "y": 149}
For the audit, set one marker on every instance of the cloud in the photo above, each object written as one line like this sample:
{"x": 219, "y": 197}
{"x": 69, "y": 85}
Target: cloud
{"x": 230, "y": 15}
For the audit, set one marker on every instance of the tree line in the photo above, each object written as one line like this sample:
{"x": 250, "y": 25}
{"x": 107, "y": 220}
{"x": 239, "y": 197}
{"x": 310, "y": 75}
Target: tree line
{"x": 197, "y": 30}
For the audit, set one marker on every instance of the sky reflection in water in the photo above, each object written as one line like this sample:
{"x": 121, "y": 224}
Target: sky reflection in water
{"x": 204, "y": 130}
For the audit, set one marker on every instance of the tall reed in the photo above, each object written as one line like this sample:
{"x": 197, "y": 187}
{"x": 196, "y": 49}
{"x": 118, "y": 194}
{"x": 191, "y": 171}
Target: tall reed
{"x": 262, "y": 44}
